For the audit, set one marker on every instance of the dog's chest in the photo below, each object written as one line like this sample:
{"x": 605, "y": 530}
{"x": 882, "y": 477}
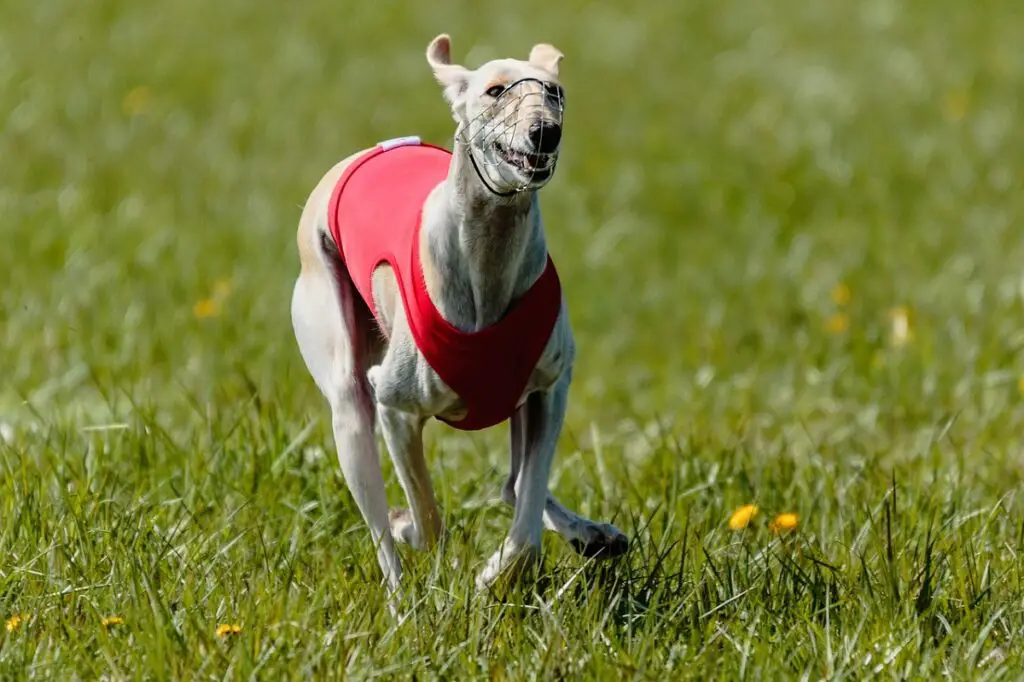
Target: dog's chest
{"x": 448, "y": 406}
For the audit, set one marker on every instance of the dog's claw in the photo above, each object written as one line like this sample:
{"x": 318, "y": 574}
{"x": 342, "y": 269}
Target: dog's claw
{"x": 606, "y": 542}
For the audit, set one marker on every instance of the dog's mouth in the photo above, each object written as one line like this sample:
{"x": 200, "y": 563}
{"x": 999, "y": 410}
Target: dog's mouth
{"x": 537, "y": 166}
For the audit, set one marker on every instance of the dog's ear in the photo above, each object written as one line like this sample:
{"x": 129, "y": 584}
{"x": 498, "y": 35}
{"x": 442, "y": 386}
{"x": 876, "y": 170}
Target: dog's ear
{"x": 452, "y": 77}
{"x": 546, "y": 57}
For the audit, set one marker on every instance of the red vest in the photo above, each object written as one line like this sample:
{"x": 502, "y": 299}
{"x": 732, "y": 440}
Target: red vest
{"x": 374, "y": 217}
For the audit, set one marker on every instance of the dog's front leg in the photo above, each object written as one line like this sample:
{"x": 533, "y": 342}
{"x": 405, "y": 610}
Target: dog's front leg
{"x": 589, "y": 538}
{"x": 544, "y": 414}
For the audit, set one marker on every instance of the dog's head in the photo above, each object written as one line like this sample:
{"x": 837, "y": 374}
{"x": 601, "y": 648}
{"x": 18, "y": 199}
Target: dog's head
{"x": 509, "y": 114}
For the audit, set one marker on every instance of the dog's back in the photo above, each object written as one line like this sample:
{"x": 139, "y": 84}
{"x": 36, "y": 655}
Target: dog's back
{"x": 376, "y": 207}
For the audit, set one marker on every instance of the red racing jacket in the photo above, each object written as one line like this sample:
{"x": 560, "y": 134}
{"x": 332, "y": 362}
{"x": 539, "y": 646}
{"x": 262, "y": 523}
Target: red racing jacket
{"x": 374, "y": 216}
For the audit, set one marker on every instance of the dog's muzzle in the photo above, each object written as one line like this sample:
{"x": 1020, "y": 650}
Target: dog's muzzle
{"x": 514, "y": 143}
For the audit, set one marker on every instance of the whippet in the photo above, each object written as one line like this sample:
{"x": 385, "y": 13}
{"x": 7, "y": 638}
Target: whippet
{"x": 426, "y": 290}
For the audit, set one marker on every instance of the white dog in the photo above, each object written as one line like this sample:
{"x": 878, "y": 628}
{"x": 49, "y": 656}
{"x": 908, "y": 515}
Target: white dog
{"x": 426, "y": 290}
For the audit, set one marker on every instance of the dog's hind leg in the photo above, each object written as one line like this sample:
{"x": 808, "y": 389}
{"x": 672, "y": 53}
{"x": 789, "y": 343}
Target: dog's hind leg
{"x": 333, "y": 348}
{"x": 517, "y": 444}
{"x": 589, "y": 538}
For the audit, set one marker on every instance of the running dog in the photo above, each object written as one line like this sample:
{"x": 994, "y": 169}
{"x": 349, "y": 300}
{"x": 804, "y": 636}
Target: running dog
{"x": 426, "y": 290}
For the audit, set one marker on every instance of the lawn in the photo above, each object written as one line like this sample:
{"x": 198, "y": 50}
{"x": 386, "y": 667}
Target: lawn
{"x": 789, "y": 234}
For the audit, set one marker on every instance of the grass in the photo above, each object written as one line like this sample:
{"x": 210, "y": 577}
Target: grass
{"x": 789, "y": 234}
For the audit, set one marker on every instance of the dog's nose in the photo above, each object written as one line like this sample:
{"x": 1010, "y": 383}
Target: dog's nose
{"x": 545, "y": 136}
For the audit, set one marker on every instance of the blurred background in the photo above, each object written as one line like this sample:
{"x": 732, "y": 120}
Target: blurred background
{"x": 726, "y": 167}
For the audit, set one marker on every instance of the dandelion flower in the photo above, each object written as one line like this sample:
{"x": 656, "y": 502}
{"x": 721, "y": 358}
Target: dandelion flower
{"x": 225, "y": 629}
{"x": 110, "y": 621}
{"x": 14, "y": 622}
{"x": 841, "y": 294}
{"x": 837, "y": 324}
{"x": 784, "y": 522}
{"x": 206, "y": 308}
{"x": 742, "y": 517}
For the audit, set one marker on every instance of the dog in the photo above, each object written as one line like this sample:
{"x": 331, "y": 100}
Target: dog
{"x": 426, "y": 290}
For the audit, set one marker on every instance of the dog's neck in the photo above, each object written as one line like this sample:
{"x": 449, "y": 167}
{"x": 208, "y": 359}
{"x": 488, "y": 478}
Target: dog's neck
{"x": 484, "y": 250}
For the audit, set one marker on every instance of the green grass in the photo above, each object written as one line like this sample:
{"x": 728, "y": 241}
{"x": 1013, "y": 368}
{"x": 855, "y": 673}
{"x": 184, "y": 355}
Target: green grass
{"x": 727, "y": 165}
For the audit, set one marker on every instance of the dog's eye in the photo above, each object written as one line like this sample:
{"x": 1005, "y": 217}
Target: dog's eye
{"x": 495, "y": 90}
{"x": 554, "y": 93}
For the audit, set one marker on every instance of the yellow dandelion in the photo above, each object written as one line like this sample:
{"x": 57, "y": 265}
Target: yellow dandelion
{"x": 742, "y": 517}
{"x": 837, "y": 324}
{"x": 14, "y": 622}
{"x": 784, "y": 522}
{"x": 136, "y": 101}
{"x": 840, "y": 294}
{"x": 111, "y": 621}
{"x": 955, "y": 104}
{"x": 225, "y": 629}
{"x": 206, "y": 308}
{"x": 902, "y": 334}
{"x": 212, "y": 306}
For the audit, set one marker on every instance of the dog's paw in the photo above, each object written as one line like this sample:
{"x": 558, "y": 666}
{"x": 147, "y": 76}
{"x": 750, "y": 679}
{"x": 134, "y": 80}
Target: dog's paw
{"x": 508, "y": 564}
{"x": 402, "y": 527}
{"x": 600, "y": 541}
